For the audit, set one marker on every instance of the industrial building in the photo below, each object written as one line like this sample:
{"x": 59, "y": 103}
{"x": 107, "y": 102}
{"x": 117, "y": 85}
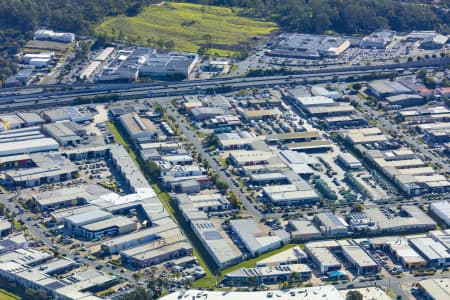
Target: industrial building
{"x": 435, "y": 288}
{"x": 434, "y": 252}
{"x": 12, "y": 121}
{"x": 379, "y": 39}
{"x": 441, "y": 210}
{"x": 349, "y": 161}
{"x": 364, "y": 135}
{"x": 157, "y": 253}
{"x": 204, "y": 113}
{"x": 223, "y": 251}
{"x": 266, "y": 275}
{"x": 258, "y": 238}
{"x": 260, "y": 114}
{"x": 250, "y": 157}
{"x": 359, "y": 259}
{"x": 75, "y": 222}
{"x": 322, "y": 256}
{"x": 45, "y": 168}
{"x": 330, "y": 224}
{"x": 5, "y": 227}
{"x": 115, "y": 245}
{"x": 294, "y": 255}
{"x": 116, "y": 225}
{"x": 403, "y": 252}
{"x": 412, "y": 219}
{"x": 129, "y": 64}
{"x": 204, "y": 202}
{"x": 60, "y": 198}
{"x": 386, "y": 88}
{"x": 303, "y": 230}
{"x": 139, "y": 129}
{"x": 170, "y": 65}
{"x": 62, "y": 133}
{"x": 50, "y": 35}
{"x": 291, "y": 194}
{"x": 434, "y": 42}
{"x": 406, "y": 100}
{"x": 305, "y": 293}
{"x": 409, "y": 173}
{"x": 309, "y": 46}
{"x": 30, "y": 119}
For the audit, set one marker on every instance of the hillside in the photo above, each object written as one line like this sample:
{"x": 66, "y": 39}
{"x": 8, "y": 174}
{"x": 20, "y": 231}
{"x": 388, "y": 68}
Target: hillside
{"x": 219, "y": 30}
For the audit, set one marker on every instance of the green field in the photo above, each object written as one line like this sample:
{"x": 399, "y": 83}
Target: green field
{"x": 4, "y": 295}
{"x": 221, "y": 29}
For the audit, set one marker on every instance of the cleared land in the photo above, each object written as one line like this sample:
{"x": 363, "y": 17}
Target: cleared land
{"x": 190, "y": 26}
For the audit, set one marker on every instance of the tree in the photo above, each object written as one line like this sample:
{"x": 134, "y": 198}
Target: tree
{"x": 153, "y": 170}
{"x": 170, "y": 45}
{"x": 139, "y": 293}
{"x": 354, "y": 295}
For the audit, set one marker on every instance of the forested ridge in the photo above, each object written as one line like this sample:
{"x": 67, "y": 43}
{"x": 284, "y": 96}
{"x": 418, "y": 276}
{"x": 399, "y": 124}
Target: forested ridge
{"x": 346, "y": 16}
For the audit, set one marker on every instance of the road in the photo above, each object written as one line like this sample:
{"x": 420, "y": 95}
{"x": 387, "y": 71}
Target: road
{"x": 12, "y": 101}
{"x": 191, "y": 137}
{"x": 393, "y": 283}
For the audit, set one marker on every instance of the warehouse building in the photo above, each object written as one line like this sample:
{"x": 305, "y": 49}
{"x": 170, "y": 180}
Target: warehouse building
{"x": 330, "y": 224}
{"x": 31, "y": 119}
{"x": 290, "y": 194}
{"x": 403, "y": 252}
{"x": 322, "y": 256}
{"x": 250, "y": 158}
{"x": 260, "y": 114}
{"x": 441, "y": 210}
{"x": 303, "y": 230}
{"x": 435, "y": 288}
{"x": 60, "y": 198}
{"x": 359, "y": 259}
{"x": 406, "y": 100}
{"x": 116, "y": 225}
{"x": 139, "y": 129}
{"x": 294, "y": 255}
{"x": 204, "y": 113}
{"x": 158, "y": 254}
{"x": 309, "y": 46}
{"x": 349, "y": 161}
{"x": 266, "y": 275}
{"x": 115, "y": 245}
{"x": 434, "y": 42}
{"x": 169, "y": 65}
{"x": 47, "y": 168}
{"x": 364, "y": 135}
{"x": 12, "y": 121}
{"x": 379, "y": 39}
{"x": 386, "y": 88}
{"x": 411, "y": 219}
{"x": 5, "y": 228}
{"x": 75, "y": 222}
{"x": 434, "y": 252}
{"x": 204, "y": 202}
{"x": 222, "y": 250}
{"x": 258, "y": 238}
{"x": 62, "y": 134}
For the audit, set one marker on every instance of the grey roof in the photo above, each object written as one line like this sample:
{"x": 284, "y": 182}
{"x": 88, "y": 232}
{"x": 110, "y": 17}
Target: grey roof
{"x": 88, "y": 217}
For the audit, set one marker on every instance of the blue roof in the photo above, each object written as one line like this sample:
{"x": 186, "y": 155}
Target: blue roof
{"x": 336, "y": 274}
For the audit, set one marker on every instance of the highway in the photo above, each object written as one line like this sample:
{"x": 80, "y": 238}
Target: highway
{"x": 41, "y": 98}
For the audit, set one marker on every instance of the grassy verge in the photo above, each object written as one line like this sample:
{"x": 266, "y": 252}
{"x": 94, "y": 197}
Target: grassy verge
{"x": 199, "y": 251}
{"x": 210, "y": 281}
{"x": 5, "y": 295}
{"x": 17, "y": 225}
{"x": 224, "y": 30}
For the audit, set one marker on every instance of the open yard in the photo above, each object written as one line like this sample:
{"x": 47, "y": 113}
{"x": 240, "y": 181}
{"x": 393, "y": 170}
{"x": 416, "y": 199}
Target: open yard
{"x": 189, "y": 26}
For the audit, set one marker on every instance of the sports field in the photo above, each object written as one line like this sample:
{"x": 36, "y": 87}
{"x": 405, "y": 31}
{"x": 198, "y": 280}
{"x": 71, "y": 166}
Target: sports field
{"x": 220, "y": 29}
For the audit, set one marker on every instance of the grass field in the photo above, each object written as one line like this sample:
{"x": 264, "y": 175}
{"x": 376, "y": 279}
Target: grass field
{"x": 188, "y": 27}
{"x": 4, "y": 295}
